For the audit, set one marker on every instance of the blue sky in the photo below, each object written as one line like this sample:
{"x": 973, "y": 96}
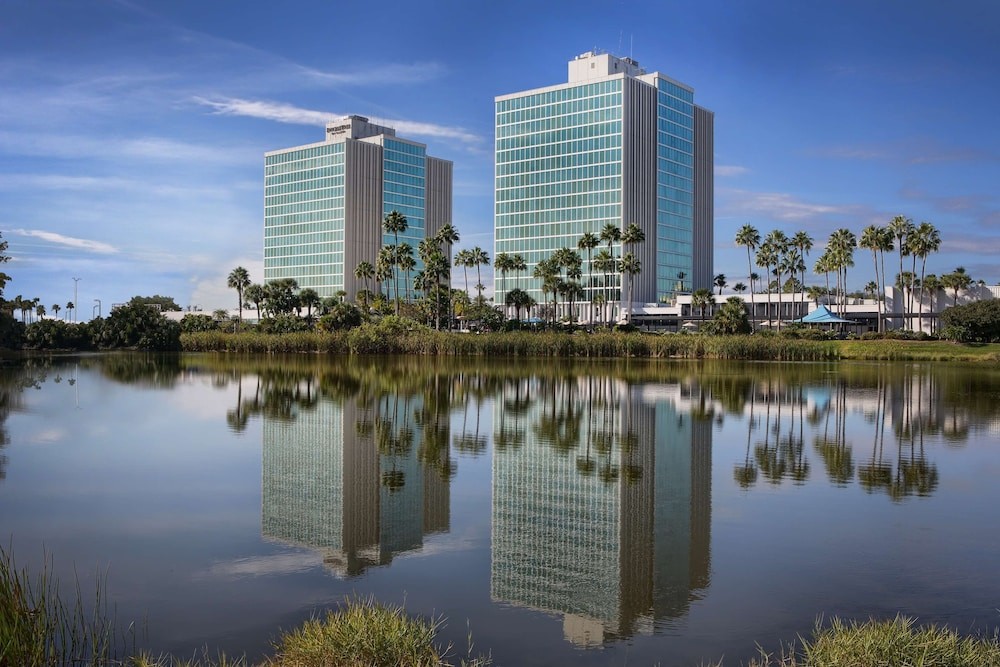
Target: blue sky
{"x": 132, "y": 132}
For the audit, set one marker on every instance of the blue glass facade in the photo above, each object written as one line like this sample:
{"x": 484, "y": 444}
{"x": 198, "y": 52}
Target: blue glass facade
{"x": 304, "y": 217}
{"x": 674, "y": 188}
{"x": 404, "y": 190}
{"x": 558, "y": 172}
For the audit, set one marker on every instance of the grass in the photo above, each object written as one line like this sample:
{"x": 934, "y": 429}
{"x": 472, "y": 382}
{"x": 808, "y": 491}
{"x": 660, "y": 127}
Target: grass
{"x": 37, "y": 628}
{"x": 891, "y": 643}
{"x": 911, "y": 350}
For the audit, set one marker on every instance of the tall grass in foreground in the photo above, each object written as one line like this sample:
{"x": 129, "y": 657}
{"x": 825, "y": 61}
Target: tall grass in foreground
{"x": 37, "y": 628}
{"x": 893, "y": 643}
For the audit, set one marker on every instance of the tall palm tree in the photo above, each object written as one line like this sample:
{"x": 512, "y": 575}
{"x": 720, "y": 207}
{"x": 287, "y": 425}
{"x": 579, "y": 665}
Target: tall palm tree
{"x": 70, "y": 306}
{"x": 502, "y": 263}
{"x": 364, "y": 271}
{"x": 842, "y": 243}
{"x": 926, "y": 239}
{"x": 720, "y": 282}
{"x": 739, "y": 288}
{"x": 932, "y": 285}
{"x": 629, "y": 266}
{"x": 588, "y": 242}
{"x": 463, "y": 258}
{"x": 309, "y": 298}
{"x": 239, "y": 280}
{"x": 55, "y": 309}
{"x": 632, "y": 236}
{"x": 793, "y": 264}
{"x": 604, "y": 262}
{"x": 804, "y": 243}
{"x": 256, "y": 294}
{"x": 384, "y": 266}
{"x": 749, "y": 237}
{"x": 611, "y": 234}
{"x": 779, "y": 243}
{"x": 480, "y": 258}
{"x": 766, "y": 256}
{"x": 901, "y": 228}
{"x": 395, "y": 223}
{"x": 701, "y": 299}
{"x": 871, "y": 237}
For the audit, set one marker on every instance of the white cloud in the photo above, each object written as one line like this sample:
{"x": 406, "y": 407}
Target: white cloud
{"x": 778, "y": 206}
{"x": 730, "y": 170}
{"x": 287, "y": 113}
{"x": 378, "y": 75}
{"x": 68, "y": 241}
{"x": 53, "y": 145}
{"x": 209, "y": 290}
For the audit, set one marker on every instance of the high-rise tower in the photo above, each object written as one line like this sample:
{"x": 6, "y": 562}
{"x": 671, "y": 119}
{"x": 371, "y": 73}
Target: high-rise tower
{"x": 324, "y": 203}
{"x": 615, "y": 145}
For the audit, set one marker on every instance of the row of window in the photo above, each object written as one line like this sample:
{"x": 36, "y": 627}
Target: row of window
{"x": 559, "y": 215}
{"x": 664, "y": 139}
{"x": 674, "y": 90}
{"x": 286, "y": 245}
{"x": 665, "y": 167}
{"x": 304, "y": 175}
{"x": 671, "y": 233}
{"x": 674, "y": 194}
{"x": 560, "y": 122}
{"x": 550, "y": 235}
{"x": 305, "y": 207}
{"x": 556, "y": 203}
{"x": 304, "y": 153}
{"x": 562, "y": 162}
{"x": 303, "y": 186}
{"x": 405, "y": 148}
{"x": 559, "y": 136}
{"x": 612, "y": 169}
{"x": 414, "y": 180}
{"x": 557, "y": 149}
{"x": 560, "y": 109}
{"x": 325, "y": 217}
{"x": 561, "y": 95}
{"x": 669, "y": 127}
{"x": 300, "y": 165}
{"x": 292, "y": 267}
{"x": 671, "y": 220}
{"x": 334, "y": 195}
{"x": 560, "y": 189}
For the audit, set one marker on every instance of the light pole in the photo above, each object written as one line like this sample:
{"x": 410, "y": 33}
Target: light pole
{"x": 76, "y": 284}
{"x": 97, "y": 308}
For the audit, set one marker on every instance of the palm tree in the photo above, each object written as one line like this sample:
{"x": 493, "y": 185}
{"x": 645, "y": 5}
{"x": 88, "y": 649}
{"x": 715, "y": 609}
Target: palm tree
{"x": 842, "y": 244}
{"x": 871, "y": 239}
{"x": 395, "y": 223}
{"x": 926, "y": 239}
{"x": 767, "y": 255}
{"x": 588, "y": 242}
{"x": 502, "y": 263}
{"x": 309, "y": 298}
{"x": 604, "y": 262}
{"x": 749, "y": 236}
{"x": 239, "y": 280}
{"x": 804, "y": 243}
{"x": 547, "y": 271}
{"x": 406, "y": 262}
{"x": 956, "y": 280}
{"x": 629, "y": 266}
{"x": 384, "y": 266}
{"x": 56, "y": 308}
{"x": 632, "y": 236}
{"x": 70, "y": 306}
{"x": 611, "y": 234}
{"x": 720, "y": 282}
{"x": 739, "y": 288}
{"x": 479, "y": 258}
{"x": 364, "y": 271}
{"x": 40, "y": 310}
{"x": 255, "y": 294}
{"x": 932, "y": 285}
{"x": 778, "y": 241}
{"x": 701, "y": 299}
{"x": 463, "y": 258}
{"x": 901, "y": 227}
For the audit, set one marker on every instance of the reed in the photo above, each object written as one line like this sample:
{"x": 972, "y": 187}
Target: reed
{"x": 891, "y": 642}
{"x": 38, "y": 628}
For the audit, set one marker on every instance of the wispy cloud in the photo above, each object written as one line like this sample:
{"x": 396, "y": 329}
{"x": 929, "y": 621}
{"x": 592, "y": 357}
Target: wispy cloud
{"x": 149, "y": 148}
{"x": 362, "y": 75}
{"x": 287, "y": 113}
{"x": 980, "y": 210}
{"x": 730, "y": 170}
{"x": 778, "y": 206}
{"x": 912, "y": 151}
{"x": 67, "y": 241}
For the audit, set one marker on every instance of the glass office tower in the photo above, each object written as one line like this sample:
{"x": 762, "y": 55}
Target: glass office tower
{"x": 612, "y": 146}
{"x": 324, "y": 203}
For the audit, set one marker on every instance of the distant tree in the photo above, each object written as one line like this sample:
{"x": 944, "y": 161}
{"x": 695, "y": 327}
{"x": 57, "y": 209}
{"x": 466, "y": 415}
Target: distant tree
{"x": 257, "y": 295}
{"x": 720, "y": 282}
{"x": 136, "y": 325}
{"x": 749, "y": 237}
{"x": 163, "y": 303}
{"x": 701, "y": 299}
{"x": 239, "y": 280}
{"x": 309, "y": 299}
{"x": 730, "y": 319}
{"x": 739, "y": 288}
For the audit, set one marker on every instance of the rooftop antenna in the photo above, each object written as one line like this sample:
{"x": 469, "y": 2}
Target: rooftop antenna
{"x": 621, "y": 34}
{"x": 631, "y": 37}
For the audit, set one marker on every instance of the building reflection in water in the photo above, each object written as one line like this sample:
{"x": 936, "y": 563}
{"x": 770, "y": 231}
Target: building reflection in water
{"x": 602, "y": 508}
{"x": 345, "y": 478}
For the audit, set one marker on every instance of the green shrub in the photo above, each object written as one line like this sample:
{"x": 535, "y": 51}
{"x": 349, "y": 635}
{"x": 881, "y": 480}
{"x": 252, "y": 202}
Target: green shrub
{"x": 977, "y": 322}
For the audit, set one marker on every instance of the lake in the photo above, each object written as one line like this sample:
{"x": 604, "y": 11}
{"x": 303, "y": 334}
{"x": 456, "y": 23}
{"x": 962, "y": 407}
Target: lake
{"x": 605, "y": 513}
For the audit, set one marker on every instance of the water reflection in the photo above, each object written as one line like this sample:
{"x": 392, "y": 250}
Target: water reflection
{"x": 600, "y": 474}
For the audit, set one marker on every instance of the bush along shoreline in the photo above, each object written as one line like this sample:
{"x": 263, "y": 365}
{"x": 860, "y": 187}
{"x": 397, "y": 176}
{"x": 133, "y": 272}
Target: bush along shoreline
{"x": 39, "y": 629}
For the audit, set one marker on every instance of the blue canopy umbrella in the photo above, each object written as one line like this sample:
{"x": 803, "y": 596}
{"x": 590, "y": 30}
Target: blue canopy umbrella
{"x": 823, "y": 315}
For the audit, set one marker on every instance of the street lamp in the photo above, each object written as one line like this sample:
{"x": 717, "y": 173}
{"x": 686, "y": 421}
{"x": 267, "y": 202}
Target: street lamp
{"x": 97, "y": 308}
{"x": 76, "y": 284}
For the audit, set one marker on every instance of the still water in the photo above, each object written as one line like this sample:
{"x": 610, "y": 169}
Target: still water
{"x": 634, "y": 512}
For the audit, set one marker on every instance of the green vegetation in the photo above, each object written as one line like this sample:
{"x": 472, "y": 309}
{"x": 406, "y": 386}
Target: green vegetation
{"x": 977, "y": 322}
{"x": 38, "y": 629}
{"x": 893, "y": 643}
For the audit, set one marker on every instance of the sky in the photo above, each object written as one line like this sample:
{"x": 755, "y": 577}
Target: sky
{"x": 132, "y": 132}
